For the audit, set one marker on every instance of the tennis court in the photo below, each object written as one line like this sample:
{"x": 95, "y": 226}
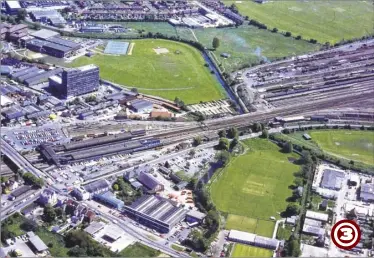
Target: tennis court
{"x": 116, "y": 48}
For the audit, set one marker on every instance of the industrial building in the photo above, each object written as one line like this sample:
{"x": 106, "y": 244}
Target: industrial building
{"x": 48, "y": 42}
{"x": 150, "y": 182}
{"x": 12, "y": 7}
{"x": 92, "y": 28}
{"x": 156, "y": 212}
{"x": 253, "y": 239}
{"x": 109, "y": 199}
{"x": 312, "y": 230}
{"x": 367, "y": 192}
{"x": 195, "y": 216}
{"x": 317, "y": 216}
{"x": 96, "y": 148}
{"x": 77, "y": 81}
{"x": 141, "y": 106}
{"x": 94, "y": 227}
{"x": 19, "y": 192}
{"x": 97, "y": 187}
{"x": 332, "y": 179}
{"x": 45, "y": 16}
{"x": 312, "y": 222}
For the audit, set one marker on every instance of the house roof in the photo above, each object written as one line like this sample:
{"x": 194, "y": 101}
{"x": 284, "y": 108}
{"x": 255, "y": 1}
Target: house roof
{"x": 148, "y": 180}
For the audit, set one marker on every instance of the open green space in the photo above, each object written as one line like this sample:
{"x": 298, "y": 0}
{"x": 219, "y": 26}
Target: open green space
{"x": 177, "y": 247}
{"x": 326, "y": 21}
{"x": 55, "y": 242}
{"x": 255, "y": 184}
{"x": 179, "y": 73}
{"x": 284, "y": 231}
{"x": 349, "y": 144}
{"x": 250, "y": 251}
{"x": 250, "y": 45}
{"x": 139, "y": 250}
{"x": 257, "y": 226}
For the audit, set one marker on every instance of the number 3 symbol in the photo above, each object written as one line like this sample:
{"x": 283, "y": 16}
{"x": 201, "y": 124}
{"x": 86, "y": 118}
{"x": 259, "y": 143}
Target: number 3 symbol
{"x": 347, "y": 234}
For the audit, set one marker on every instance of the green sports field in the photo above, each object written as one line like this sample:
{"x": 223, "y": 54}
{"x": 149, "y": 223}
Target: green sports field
{"x": 353, "y": 145}
{"x": 250, "y": 251}
{"x": 255, "y": 184}
{"x": 179, "y": 73}
{"x": 257, "y": 226}
{"x": 325, "y": 21}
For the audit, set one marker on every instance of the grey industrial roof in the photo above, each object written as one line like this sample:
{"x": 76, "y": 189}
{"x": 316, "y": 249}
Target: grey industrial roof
{"x": 58, "y": 47}
{"x": 44, "y": 34}
{"x": 148, "y": 180}
{"x": 38, "y": 243}
{"x": 63, "y": 42}
{"x": 159, "y": 209}
{"x": 113, "y": 231}
{"x": 21, "y": 190}
{"x": 196, "y": 214}
{"x": 37, "y": 42}
{"x": 332, "y": 179}
{"x": 141, "y": 103}
{"x": 312, "y": 222}
{"x": 97, "y": 185}
{"x": 313, "y": 230}
{"x": 94, "y": 227}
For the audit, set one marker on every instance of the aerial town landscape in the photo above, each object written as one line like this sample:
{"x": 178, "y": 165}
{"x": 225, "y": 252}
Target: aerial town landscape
{"x": 186, "y": 128}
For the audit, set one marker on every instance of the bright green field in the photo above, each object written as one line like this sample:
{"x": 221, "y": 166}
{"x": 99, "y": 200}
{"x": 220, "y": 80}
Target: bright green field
{"x": 325, "y": 21}
{"x": 249, "y": 45}
{"x": 166, "y": 75}
{"x": 261, "y": 227}
{"x": 250, "y": 251}
{"x": 353, "y": 145}
{"x": 255, "y": 184}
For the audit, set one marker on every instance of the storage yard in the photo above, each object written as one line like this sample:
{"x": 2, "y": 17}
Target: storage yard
{"x": 332, "y": 74}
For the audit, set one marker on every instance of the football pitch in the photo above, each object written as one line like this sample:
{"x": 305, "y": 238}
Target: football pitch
{"x": 160, "y": 67}
{"x": 256, "y": 184}
{"x": 325, "y": 21}
{"x": 349, "y": 144}
{"x": 250, "y": 251}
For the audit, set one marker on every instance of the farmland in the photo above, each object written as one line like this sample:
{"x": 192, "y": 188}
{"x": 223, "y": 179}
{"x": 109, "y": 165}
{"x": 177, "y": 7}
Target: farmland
{"x": 179, "y": 73}
{"x": 250, "y": 251}
{"x": 325, "y": 21}
{"x": 256, "y": 184}
{"x": 261, "y": 227}
{"x": 353, "y": 145}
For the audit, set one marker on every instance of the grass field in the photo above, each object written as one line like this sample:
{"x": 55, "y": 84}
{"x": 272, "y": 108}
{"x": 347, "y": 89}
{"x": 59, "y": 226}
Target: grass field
{"x": 251, "y": 225}
{"x": 249, "y": 45}
{"x": 139, "y": 250}
{"x": 250, "y": 251}
{"x": 166, "y": 75}
{"x": 353, "y": 145}
{"x": 325, "y": 21}
{"x": 255, "y": 184}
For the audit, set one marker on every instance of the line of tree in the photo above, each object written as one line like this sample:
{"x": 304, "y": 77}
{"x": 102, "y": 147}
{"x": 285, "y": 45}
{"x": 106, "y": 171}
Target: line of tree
{"x": 30, "y": 179}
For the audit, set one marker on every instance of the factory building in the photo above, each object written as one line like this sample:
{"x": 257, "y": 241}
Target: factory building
{"x": 45, "y": 16}
{"x": 156, "y": 212}
{"x": 109, "y": 199}
{"x": 317, "y": 216}
{"x": 141, "y": 106}
{"x": 195, "y": 216}
{"x": 78, "y": 81}
{"x": 367, "y": 192}
{"x": 12, "y": 7}
{"x": 97, "y": 187}
{"x": 332, "y": 179}
{"x": 150, "y": 182}
{"x": 312, "y": 230}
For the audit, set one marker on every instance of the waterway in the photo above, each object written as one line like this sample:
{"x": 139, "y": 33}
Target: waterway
{"x": 223, "y": 83}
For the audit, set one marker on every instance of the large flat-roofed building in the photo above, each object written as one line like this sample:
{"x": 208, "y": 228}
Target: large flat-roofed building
{"x": 312, "y": 230}
{"x": 332, "y": 179}
{"x": 109, "y": 199}
{"x": 312, "y": 222}
{"x": 79, "y": 81}
{"x": 45, "y": 16}
{"x": 12, "y": 7}
{"x": 44, "y": 34}
{"x": 156, "y": 212}
{"x": 367, "y": 192}
{"x": 317, "y": 216}
{"x": 94, "y": 227}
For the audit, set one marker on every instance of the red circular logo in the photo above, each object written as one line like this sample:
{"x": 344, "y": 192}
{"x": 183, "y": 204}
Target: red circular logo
{"x": 346, "y": 234}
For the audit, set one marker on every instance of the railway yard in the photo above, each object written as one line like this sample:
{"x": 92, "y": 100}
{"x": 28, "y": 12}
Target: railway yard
{"x": 327, "y": 75}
